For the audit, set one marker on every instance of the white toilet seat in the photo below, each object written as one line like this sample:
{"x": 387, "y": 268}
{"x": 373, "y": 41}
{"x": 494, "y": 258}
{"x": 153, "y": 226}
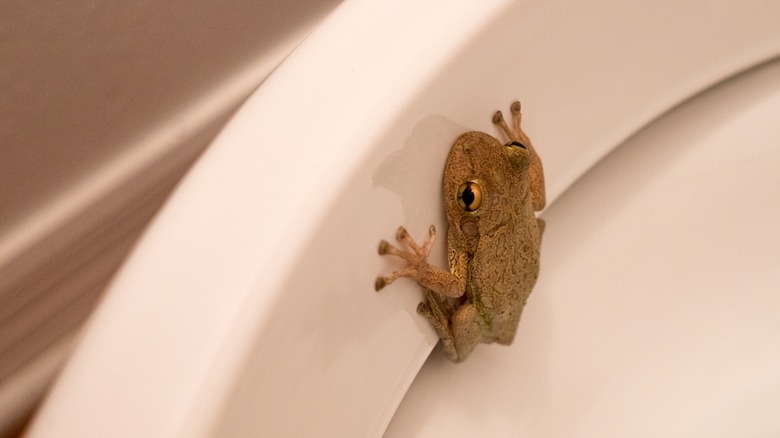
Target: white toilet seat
{"x": 248, "y": 306}
{"x": 656, "y": 311}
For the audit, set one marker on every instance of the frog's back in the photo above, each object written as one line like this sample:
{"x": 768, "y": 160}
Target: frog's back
{"x": 506, "y": 267}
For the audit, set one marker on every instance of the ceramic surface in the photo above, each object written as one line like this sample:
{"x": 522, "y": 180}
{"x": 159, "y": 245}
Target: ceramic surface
{"x": 656, "y": 311}
{"x": 248, "y": 308}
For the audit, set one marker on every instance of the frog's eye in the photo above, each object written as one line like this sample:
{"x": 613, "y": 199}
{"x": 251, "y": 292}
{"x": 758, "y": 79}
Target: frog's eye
{"x": 469, "y": 196}
{"x": 516, "y": 143}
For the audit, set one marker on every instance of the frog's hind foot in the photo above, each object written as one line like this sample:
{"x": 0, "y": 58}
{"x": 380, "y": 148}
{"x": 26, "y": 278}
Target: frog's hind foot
{"x": 458, "y": 328}
{"x": 438, "y": 311}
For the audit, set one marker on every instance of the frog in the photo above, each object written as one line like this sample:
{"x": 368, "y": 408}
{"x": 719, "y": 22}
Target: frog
{"x": 492, "y": 193}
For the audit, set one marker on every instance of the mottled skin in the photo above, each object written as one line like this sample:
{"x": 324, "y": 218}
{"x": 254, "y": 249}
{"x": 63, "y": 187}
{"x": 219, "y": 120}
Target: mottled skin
{"x": 493, "y": 250}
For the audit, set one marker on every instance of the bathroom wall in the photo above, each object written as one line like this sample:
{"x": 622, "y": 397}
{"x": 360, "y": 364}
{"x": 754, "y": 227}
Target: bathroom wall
{"x": 104, "y": 106}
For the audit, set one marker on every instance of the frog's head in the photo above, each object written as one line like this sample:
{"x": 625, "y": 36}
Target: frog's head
{"x": 484, "y": 182}
{"x": 519, "y": 156}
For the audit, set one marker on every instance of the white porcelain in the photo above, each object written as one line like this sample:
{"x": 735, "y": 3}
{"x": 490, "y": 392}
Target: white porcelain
{"x": 656, "y": 313}
{"x": 248, "y": 307}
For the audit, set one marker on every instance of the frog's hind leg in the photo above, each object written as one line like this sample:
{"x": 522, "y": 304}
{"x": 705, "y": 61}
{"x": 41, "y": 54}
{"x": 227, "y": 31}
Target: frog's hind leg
{"x": 458, "y": 328}
{"x": 438, "y": 310}
{"x": 467, "y": 330}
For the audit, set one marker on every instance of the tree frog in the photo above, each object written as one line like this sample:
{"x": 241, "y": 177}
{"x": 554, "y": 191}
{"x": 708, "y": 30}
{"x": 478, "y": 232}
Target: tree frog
{"x": 491, "y": 193}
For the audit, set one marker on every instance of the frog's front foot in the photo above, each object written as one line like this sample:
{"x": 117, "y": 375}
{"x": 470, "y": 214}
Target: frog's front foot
{"x": 417, "y": 257}
{"x": 518, "y": 138}
{"x": 515, "y": 134}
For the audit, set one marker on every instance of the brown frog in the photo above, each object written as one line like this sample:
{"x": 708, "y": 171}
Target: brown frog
{"x": 491, "y": 193}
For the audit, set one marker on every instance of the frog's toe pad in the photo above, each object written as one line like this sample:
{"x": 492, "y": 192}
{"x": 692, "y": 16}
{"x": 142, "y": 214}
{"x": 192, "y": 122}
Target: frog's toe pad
{"x": 498, "y": 117}
{"x": 380, "y": 283}
{"x": 384, "y": 247}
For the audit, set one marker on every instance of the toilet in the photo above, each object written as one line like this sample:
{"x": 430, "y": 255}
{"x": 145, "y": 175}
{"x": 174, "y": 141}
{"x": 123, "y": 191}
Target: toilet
{"x": 248, "y": 308}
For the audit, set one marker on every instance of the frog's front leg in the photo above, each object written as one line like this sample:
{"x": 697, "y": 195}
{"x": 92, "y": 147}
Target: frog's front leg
{"x": 425, "y": 274}
{"x": 535, "y": 171}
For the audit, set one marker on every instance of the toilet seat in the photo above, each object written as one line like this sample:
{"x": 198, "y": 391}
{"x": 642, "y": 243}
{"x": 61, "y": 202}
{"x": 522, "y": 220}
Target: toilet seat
{"x": 656, "y": 311}
{"x": 248, "y": 305}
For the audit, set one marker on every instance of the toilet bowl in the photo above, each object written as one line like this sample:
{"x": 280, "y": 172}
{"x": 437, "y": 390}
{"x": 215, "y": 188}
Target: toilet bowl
{"x": 656, "y": 312}
{"x": 247, "y": 309}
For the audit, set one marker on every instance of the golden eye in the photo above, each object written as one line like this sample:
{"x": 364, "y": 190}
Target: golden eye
{"x": 469, "y": 196}
{"x": 516, "y": 144}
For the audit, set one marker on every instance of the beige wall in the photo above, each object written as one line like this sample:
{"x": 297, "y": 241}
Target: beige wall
{"x": 82, "y": 81}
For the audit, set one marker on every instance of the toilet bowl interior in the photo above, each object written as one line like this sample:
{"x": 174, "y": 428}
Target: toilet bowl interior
{"x": 656, "y": 312}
